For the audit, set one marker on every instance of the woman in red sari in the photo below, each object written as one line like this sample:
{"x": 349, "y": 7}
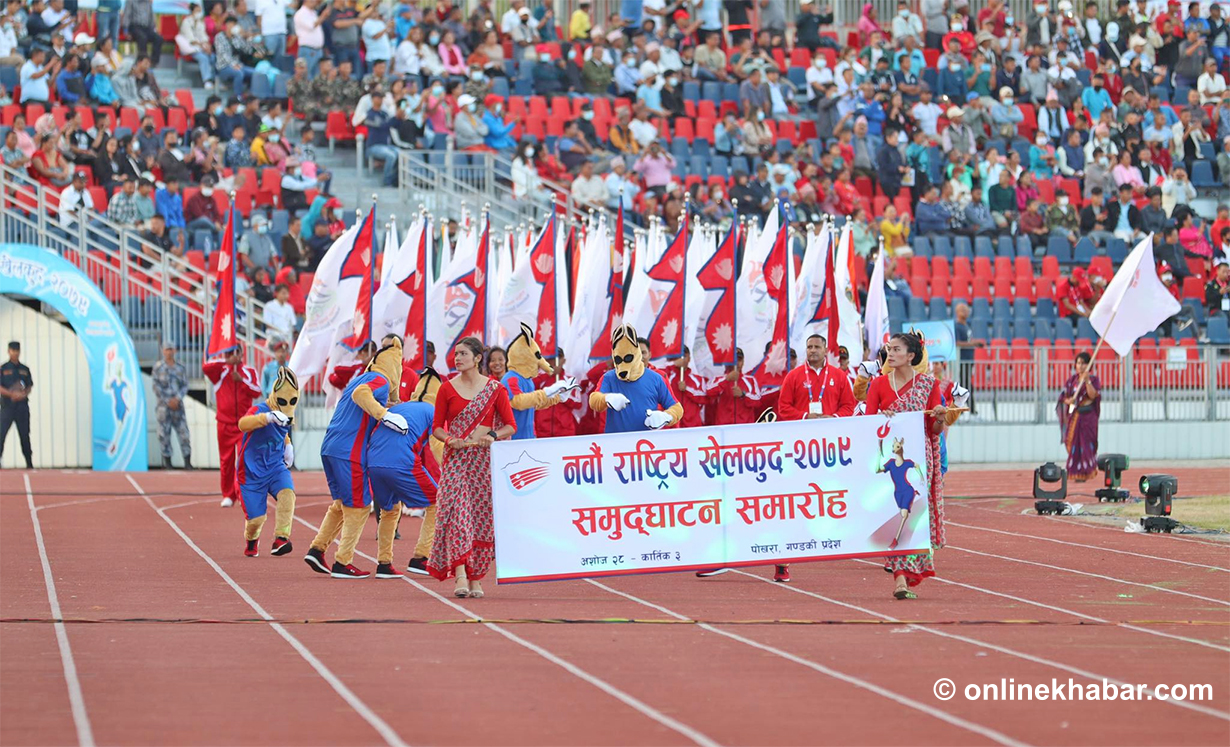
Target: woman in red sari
{"x": 472, "y": 411}
{"x": 902, "y": 388}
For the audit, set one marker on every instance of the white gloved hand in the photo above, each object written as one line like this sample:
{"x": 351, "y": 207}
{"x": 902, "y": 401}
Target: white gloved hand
{"x": 560, "y": 386}
{"x": 617, "y": 401}
{"x": 278, "y": 417}
{"x": 288, "y": 456}
{"x": 869, "y": 369}
{"x": 656, "y": 419}
{"x": 396, "y": 422}
{"x": 960, "y": 396}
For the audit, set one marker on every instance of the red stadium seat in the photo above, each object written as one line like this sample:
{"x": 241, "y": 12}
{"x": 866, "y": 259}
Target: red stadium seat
{"x": 982, "y": 267}
{"x": 1050, "y": 267}
{"x": 961, "y": 268}
{"x": 1193, "y": 288}
{"x": 920, "y": 267}
{"x": 705, "y": 127}
{"x": 940, "y": 268}
{"x": 982, "y": 288}
{"x": 684, "y": 129}
{"x": 941, "y": 287}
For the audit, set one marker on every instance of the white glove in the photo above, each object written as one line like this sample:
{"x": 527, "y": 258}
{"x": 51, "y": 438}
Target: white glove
{"x": 560, "y": 386}
{"x": 960, "y": 396}
{"x": 276, "y": 416}
{"x": 288, "y": 456}
{"x": 396, "y": 422}
{"x": 869, "y": 369}
{"x": 655, "y": 419}
{"x": 617, "y": 401}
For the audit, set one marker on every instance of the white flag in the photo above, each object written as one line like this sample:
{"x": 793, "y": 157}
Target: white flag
{"x": 876, "y": 314}
{"x": 809, "y": 316}
{"x": 849, "y": 332}
{"x": 592, "y": 298}
{"x": 391, "y": 304}
{"x": 329, "y": 312}
{"x": 1135, "y": 302}
{"x": 755, "y": 308}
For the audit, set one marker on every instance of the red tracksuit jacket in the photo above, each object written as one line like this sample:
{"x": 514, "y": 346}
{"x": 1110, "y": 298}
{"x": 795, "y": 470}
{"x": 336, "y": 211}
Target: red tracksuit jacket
{"x": 557, "y": 420}
{"x": 233, "y": 398}
{"x": 829, "y": 386}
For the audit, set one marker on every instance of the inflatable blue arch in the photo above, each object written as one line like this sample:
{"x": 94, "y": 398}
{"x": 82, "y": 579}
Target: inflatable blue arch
{"x": 117, "y": 391}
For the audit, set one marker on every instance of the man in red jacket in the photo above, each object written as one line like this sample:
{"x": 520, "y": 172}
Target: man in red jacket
{"x": 734, "y": 398}
{"x": 235, "y": 388}
{"x": 559, "y": 420}
{"x": 771, "y": 385}
{"x": 341, "y": 374}
{"x": 690, "y": 389}
{"x": 592, "y": 422}
{"x": 815, "y": 389}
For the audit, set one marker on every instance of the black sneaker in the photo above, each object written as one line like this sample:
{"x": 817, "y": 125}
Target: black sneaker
{"x": 252, "y": 550}
{"x": 281, "y": 546}
{"x": 187, "y": 462}
{"x": 348, "y": 571}
{"x": 316, "y": 560}
{"x": 712, "y": 572}
{"x": 385, "y": 570}
{"x": 418, "y": 566}
{"x": 166, "y": 463}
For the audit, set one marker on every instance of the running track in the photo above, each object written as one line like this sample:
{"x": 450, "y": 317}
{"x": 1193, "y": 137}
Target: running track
{"x": 171, "y": 636}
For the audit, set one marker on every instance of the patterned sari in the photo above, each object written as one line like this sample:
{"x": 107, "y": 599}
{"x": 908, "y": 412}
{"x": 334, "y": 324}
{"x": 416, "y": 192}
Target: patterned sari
{"x": 917, "y": 567}
{"x": 465, "y": 531}
{"x": 1080, "y": 428}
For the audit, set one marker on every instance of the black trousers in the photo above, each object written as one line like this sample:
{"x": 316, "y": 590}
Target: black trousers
{"x": 19, "y": 414}
{"x": 148, "y": 41}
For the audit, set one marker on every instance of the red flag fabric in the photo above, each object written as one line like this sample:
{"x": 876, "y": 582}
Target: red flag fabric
{"x": 477, "y": 282}
{"x": 222, "y": 332}
{"x": 719, "y": 274}
{"x": 542, "y": 265}
{"x": 601, "y": 349}
{"x": 830, "y": 294}
{"x": 776, "y": 273}
{"x": 415, "y": 286}
{"x": 666, "y": 335}
{"x": 360, "y": 263}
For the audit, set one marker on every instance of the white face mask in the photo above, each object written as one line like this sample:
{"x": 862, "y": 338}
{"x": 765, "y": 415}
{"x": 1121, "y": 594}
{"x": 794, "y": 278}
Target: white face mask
{"x": 275, "y": 137}
{"x": 297, "y": 171}
{"x": 1041, "y": 142}
{"x": 476, "y": 75}
{"x": 471, "y": 108}
{"x": 544, "y": 57}
{"x": 820, "y": 62}
{"x": 262, "y": 229}
{"x": 955, "y": 67}
{"x": 1008, "y": 101}
{"x": 957, "y": 27}
{"x": 529, "y": 152}
{"x": 207, "y": 191}
{"x": 235, "y": 32}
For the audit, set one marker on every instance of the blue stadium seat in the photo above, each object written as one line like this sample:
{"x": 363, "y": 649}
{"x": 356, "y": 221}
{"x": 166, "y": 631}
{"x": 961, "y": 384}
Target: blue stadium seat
{"x": 1021, "y": 310}
{"x": 1183, "y": 334}
{"x": 1202, "y": 175}
{"x": 739, "y": 163}
{"x": 1004, "y": 246}
{"x": 1117, "y": 249}
{"x": 896, "y": 309}
{"x": 980, "y": 309}
{"x": 1060, "y": 249}
{"x": 691, "y": 91}
{"x": 700, "y": 147}
{"x": 1206, "y": 152}
{"x": 980, "y": 329}
{"x": 999, "y": 144}
{"x": 797, "y": 76}
{"x": 700, "y": 166}
{"x": 983, "y": 248}
{"x": 921, "y": 246}
{"x": 1217, "y": 330}
{"x": 942, "y": 246}
{"x": 9, "y": 78}
{"x": 730, "y": 92}
{"x": 680, "y": 147}
{"x": 499, "y": 86}
{"x": 201, "y": 239}
{"x": 1063, "y": 331}
{"x": 260, "y": 87}
{"x": 549, "y": 142}
{"x": 510, "y": 68}
{"x": 918, "y": 309}
{"x": 1001, "y": 309}
{"x": 1084, "y": 76}
{"x": 1023, "y": 247}
{"x": 931, "y": 77}
{"x": 279, "y": 86}
{"x": 1023, "y": 328}
{"x": 938, "y": 310}
{"x": 1084, "y": 252}
{"x": 1197, "y": 312}
{"x": 961, "y": 247}
{"x": 711, "y": 91}
{"x": 523, "y": 86}
{"x": 1085, "y": 329}
{"x": 719, "y": 166}
{"x": 1044, "y": 329}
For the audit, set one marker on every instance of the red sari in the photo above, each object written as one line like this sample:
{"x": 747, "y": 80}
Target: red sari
{"x": 921, "y": 394}
{"x": 465, "y": 530}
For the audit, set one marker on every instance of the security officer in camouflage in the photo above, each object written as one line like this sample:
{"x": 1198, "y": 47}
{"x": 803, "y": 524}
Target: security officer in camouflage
{"x": 170, "y": 387}
{"x": 300, "y": 89}
{"x": 346, "y": 91}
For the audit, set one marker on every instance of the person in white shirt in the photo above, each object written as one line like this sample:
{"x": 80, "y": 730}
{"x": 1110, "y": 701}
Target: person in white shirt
{"x": 54, "y": 13}
{"x": 74, "y": 199}
{"x": 377, "y": 39}
{"x": 272, "y": 15}
{"x": 619, "y": 188}
{"x": 406, "y": 57}
{"x": 587, "y": 188}
{"x": 1210, "y": 84}
{"x": 927, "y": 113}
{"x": 311, "y": 35}
{"x": 643, "y": 131}
{"x": 906, "y": 23}
{"x": 36, "y": 77}
{"x": 280, "y": 317}
{"x": 9, "y": 55}
{"x": 365, "y": 105}
{"x": 818, "y": 76}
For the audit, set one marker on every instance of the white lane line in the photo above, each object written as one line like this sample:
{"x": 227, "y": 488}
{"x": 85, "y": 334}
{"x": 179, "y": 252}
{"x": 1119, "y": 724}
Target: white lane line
{"x": 215, "y": 501}
{"x": 86, "y": 501}
{"x": 1093, "y": 676}
{"x": 924, "y": 708}
{"x": 81, "y": 718}
{"x": 1089, "y": 524}
{"x": 1089, "y": 547}
{"x": 1090, "y": 575}
{"x": 631, "y": 701}
{"x": 385, "y": 731}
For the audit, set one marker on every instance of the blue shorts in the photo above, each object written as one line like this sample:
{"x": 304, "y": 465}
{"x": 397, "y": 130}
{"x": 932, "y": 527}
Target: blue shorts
{"x": 255, "y": 492}
{"x": 346, "y": 482}
{"x": 392, "y": 487}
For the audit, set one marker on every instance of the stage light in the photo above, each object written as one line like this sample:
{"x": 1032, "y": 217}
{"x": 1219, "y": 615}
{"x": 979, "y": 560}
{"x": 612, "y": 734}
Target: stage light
{"x": 1113, "y": 465}
{"x": 1158, "y": 490}
{"x": 1050, "y": 501}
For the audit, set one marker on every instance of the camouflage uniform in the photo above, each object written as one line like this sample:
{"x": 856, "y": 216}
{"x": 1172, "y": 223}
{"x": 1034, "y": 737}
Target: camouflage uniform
{"x": 304, "y": 93}
{"x": 346, "y": 94}
{"x": 171, "y": 382}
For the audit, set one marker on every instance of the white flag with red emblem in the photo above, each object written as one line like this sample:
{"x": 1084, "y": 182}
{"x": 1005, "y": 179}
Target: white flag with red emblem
{"x": 404, "y": 285}
{"x": 533, "y": 296}
{"x": 329, "y": 311}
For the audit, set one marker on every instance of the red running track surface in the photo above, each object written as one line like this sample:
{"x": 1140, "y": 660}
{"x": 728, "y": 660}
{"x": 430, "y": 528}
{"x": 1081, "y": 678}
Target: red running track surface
{"x": 171, "y": 636}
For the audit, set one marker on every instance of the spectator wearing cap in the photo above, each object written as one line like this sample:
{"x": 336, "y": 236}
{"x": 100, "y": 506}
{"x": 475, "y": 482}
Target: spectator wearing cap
{"x": 959, "y": 136}
{"x": 1006, "y": 115}
{"x": 469, "y": 129}
{"x": 952, "y": 79}
{"x": 75, "y": 200}
{"x": 620, "y": 188}
{"x": 138, "y": 18}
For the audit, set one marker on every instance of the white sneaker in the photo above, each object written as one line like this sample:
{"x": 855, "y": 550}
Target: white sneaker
{"x": 228, "y": 502}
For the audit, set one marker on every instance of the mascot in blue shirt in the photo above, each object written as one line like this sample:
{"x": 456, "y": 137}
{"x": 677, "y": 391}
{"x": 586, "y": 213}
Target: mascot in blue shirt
{"x": 263, "y": 464}
{"x": 633, "y": 397}
{"x": 525, "y": 361}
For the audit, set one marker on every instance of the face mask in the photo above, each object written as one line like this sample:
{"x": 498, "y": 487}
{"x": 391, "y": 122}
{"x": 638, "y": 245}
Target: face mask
{"x": 217, "y": 111}
{"x": 1063, "y": 202}
{"x": 198, "y": 13}
{"x": 297, "y": 171}
{"x": 207, "y": 191}
{"x": 955, "y": 67}
{"x": 1041, "y": 142}
{"x": 630, "y": 62}
{"x": 471, "y": 108}
{"x": 1009, "y": 20}
{"x": 434, "y": 39}
{"x": 235, "y": 32}
{"x": 529, "y": 152}
{"x": 587, "y": 116}
{"x": 1097, "y": 87}
{"x": 760, "y": 116}
{"x": 262, "y": 230}
{"x": 1008, "y": 101}
{"x": 437, "y": 90}
{"x": 673, "y": 82}
{"x": 1040, "y": 9}
{"x": 1103, "y": 162}
{"x": 820, "y": 62}
{"x": 544, "y": 57}
{"x": 986, "y": 67}
{"x": 147, "y": 129}
{"x": 956, "y": 27}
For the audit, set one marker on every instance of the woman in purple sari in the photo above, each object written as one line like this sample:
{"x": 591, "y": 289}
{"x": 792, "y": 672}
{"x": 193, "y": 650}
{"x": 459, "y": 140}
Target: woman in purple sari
{"x": 1080, "y": 404}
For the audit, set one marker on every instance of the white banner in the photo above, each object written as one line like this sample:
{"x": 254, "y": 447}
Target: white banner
{"x": 693, "y": 498}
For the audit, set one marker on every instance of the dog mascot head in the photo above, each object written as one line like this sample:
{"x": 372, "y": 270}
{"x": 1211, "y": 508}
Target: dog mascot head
{"x": 524, "y": 355}
{"x": 626, "y": 353}
{"x": 429, "y": 384}
{"x": 924, "y": 363}
{"x": 387, "y": 362}
{"x": 284, "y": 396}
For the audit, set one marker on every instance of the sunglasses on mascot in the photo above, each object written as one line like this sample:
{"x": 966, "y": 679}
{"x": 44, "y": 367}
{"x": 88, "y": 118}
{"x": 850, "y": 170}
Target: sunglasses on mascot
{"x": 625, "y": 358}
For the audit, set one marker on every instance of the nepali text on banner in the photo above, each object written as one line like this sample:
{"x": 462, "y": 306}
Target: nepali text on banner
{"x": 696, "y": 498}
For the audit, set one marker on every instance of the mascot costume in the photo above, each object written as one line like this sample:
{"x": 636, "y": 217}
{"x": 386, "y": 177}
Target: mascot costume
{"x": 425, "y": 392}
{"x": 363, "y": 405}
{"x": 402, "y": 470}
{"x": 633, "y": 397}
{"x": 263, "y": 466}
{"x": 525, "y": 361}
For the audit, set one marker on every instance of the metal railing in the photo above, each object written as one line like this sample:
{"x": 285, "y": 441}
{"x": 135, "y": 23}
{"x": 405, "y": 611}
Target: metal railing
{"x": 1023, "y": 385}
{"x": 160, "y": 296}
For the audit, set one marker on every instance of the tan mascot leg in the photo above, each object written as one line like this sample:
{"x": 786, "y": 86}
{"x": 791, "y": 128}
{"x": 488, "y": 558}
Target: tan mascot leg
{"x": 353, "y": 521}
{"x": 330, "y": 526}
{"x": 284, "y": 515}
{"x": 385, "y": 534}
